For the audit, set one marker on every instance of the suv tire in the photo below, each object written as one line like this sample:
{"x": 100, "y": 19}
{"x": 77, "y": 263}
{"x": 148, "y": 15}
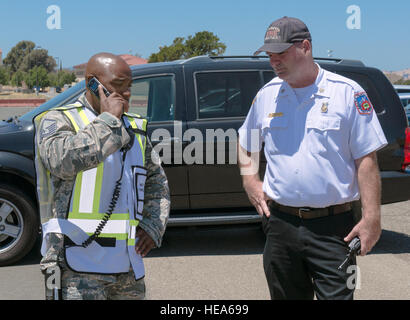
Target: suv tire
{"x": 19, "y": 224}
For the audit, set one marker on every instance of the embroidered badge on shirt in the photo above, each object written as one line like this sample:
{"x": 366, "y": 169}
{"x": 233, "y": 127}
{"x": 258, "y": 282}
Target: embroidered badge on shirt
{"x": 48, "y": 128}
{"x": 325, "y": 106}
{"x": 362, "y": 103}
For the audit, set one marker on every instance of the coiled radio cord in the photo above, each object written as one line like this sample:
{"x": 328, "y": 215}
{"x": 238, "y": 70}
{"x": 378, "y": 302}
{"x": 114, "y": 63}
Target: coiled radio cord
{"x": 107, "y": 215}
{"x": 115, "y": 195}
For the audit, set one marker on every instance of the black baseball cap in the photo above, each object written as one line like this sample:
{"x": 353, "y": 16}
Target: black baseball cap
{"x": 282, "y": 33}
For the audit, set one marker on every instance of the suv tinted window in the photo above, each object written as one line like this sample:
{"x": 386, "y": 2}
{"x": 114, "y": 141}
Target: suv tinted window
{"x": 368, "y": 86}
{"x": 225, "y": 94}
{"x": 154, "y": 98}
{"x": 267, "y": 76}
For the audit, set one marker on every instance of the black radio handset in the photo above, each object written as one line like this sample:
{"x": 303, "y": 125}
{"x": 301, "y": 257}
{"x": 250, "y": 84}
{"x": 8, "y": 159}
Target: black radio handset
{"x": 116, "y": 193}
{"x": 129, "y": 145}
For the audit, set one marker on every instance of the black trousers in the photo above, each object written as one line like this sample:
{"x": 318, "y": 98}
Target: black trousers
{"x": 301, "y": 257}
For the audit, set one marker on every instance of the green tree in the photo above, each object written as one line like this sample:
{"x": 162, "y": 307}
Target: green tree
{"x": 52, "y": 79}
{"x": 175, "y": 51}
{"x": 17, "y": 54}
{"x": 38, "y": 57}
{"x": 66, "y": 78}
{"x": 4, "y": 76}
{"x": 61, "y": 78}
{"x": 203, "y": 43}
{"x": 37, "y": 76}
{"x": 18, "y": 78}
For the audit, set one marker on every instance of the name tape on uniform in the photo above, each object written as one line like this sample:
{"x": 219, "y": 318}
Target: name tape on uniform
{"x": 275, "y": 115}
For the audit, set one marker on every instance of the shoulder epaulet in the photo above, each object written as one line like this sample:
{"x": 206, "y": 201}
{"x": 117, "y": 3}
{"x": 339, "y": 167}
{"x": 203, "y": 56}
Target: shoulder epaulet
{"x": 61, "y": 108}
{"x": 273, "y": 82}
{"x": 331, "y": 76}
{"x": 68, "y": 106}
{"x": 140, "y": 125}
{"x": 134, "y": 115}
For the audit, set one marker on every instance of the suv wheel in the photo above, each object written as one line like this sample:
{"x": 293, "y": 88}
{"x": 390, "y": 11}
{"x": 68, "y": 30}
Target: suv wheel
{"x": 18, "y": 224}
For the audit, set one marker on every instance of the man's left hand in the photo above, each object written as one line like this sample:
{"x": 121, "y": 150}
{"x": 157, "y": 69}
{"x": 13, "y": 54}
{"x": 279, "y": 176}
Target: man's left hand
{"x": 145, "y": 243}
{"x": 368, "y": 231}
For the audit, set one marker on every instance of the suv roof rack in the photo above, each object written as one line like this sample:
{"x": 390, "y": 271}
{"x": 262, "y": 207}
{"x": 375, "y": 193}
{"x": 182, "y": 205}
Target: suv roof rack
{"x": 195, "y": 59}
{"x": 212, "y": 58}
{"x": 238, "y": 57}
{"x": 345, "y": 62}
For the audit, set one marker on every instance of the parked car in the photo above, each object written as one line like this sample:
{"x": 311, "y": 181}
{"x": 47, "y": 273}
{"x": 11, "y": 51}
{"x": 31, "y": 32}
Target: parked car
{"x": 184, "y": 100}
{"x": 404, "y": 98}
{"x": 407, "y": 110}
{"x": 402, "y": 88}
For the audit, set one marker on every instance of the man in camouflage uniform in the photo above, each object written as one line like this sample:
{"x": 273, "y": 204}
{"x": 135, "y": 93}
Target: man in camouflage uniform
{"x": 65, "y": 152}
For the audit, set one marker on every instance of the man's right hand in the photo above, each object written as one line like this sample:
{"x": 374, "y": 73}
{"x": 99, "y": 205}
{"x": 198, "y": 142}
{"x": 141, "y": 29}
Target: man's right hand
{"x": 257, "y": 197}
{"x": 114, "y": 104}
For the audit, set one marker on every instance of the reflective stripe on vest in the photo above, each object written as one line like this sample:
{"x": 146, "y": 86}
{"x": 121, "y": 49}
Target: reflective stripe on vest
{"x": 89, "y": 199}
{"x": 85, "y": 204}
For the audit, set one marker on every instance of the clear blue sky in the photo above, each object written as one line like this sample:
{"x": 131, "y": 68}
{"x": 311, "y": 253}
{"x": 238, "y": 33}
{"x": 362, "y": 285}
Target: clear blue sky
{"x": 135, "y": 26}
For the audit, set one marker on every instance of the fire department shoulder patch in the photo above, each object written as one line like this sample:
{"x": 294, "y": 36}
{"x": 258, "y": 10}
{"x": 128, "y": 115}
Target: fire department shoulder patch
{"x": 363, "y": 103}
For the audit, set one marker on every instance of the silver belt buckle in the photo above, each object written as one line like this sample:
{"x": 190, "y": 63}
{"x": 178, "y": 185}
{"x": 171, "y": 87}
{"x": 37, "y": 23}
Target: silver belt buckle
{"x": 301, "y": 210}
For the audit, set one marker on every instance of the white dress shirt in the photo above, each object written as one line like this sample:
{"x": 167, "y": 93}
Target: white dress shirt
{"x": 310, "y": 147}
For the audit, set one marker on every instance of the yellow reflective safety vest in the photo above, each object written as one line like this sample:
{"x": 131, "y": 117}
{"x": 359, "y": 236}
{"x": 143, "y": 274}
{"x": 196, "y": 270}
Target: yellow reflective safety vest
{"x": 113, "y": 251}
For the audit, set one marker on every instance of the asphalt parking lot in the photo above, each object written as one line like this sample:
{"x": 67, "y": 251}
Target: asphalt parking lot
{"x": 7, "y": 112}
{"x": 226, "y": 262}
{"x": 223, "y": 263}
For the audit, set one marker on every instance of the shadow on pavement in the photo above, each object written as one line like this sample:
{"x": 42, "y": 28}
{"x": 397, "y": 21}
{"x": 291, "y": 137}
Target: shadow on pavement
{"x": 190, "y": 241}
{"x": 392, "y": 242}
{"x": 216, "y": 240}
{"x": 231, "y": 240}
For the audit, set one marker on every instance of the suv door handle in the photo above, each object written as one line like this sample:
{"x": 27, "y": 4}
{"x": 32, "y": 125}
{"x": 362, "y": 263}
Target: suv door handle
{"x": 169, "y": 140}
{"x": 381, "y": 112}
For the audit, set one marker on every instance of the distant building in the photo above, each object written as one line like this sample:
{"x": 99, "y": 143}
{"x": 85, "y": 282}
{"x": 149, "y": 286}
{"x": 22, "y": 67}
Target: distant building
{"x": 79, "y": 70}
{"x": 133, "y": 60}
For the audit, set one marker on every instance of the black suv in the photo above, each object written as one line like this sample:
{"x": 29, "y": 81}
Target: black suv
{"x": 194, "y": 108}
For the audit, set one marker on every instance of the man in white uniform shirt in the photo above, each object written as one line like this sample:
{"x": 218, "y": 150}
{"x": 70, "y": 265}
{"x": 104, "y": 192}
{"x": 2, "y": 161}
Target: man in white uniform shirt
{"x": 321, "y": 135}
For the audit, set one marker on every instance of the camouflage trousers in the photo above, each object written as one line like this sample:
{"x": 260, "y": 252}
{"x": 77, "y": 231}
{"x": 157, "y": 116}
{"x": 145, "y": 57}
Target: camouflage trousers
{"x": 83, "y": 286}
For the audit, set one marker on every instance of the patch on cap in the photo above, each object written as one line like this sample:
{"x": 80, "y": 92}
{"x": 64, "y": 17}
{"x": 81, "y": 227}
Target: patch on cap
{"x": 272, "y": 33}
{"x": 362, "y": 103}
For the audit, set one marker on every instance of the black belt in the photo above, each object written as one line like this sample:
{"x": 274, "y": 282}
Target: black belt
{"x": 311, "y": 213}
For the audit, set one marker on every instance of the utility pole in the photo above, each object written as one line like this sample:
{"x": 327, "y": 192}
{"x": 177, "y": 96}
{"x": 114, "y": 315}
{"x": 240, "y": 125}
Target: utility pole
{"x": 58, "y": 71}
{"x": 37, "y": 89}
